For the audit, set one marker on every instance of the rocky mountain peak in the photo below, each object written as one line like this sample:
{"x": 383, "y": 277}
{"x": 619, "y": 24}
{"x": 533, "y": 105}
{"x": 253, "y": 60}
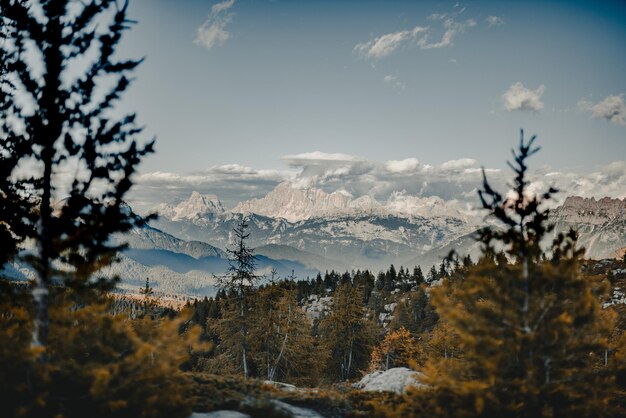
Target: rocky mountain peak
{"x": 295, "y": 204}
{"x": 197, "y": 206}
{"x": 590, "y": 210}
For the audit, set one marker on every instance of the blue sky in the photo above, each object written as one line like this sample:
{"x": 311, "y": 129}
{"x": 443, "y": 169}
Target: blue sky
{"x": 250, "y": 89}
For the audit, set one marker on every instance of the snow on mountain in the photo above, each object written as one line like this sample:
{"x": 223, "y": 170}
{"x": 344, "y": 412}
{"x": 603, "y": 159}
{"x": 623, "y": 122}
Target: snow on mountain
{"x": 294, "y": 204}
{"x": 147, "y": 237}
{"x": 577, "y": 209}
{"x": 365, "y": 233}
{"x": 360, "y": 232}
{"x": 196, "y": 207}
{"x": 429, "y": 207}
{"x": 601, "y": 224}
{"x": 601, "y": 227}
{"x": 363, "y": 241}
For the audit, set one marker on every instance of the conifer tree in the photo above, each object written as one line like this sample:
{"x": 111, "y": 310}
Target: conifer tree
{"x": 417, "y": 278}
{"x": 72, "y": 357}
{"x": 441, "y": 343}
{"x": 414, "y": 312}
{"x": 398, "y": 349}
{"x": 346, "y": 333}
{"x": 61, "y": 62}
{"x": 281, "y": 342}
{"x": 433, "y": 276}
{"x": 532, "y": 329}
{"x": 148, "y": 293}
{"x": 238, "y": 282}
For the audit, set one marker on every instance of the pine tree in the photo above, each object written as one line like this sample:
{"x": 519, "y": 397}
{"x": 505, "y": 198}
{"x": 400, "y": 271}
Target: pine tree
{"x": 532, "y": 330}
{"x": 61, "y": 62}
{"x": 433, "y": 276}
{"x": 347, "y": 334}
{"x": 415, "y": 313}
{"x": 417, "y": 278}
{"x": 147, "y": 292}
{"x": 239, "y": 280}
{"x": 441, "y": 343}
{"x": 70, "y": 355}
{"x": 281, "y": 342}
{"x": 398, "y": 349}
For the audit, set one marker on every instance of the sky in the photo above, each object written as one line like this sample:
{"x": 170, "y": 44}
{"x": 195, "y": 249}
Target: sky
{"x": 373, "y": 97}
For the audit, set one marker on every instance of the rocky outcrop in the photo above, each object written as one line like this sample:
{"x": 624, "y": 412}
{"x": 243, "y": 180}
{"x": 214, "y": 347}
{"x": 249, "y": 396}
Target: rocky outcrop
{"x": 601, "y": 224}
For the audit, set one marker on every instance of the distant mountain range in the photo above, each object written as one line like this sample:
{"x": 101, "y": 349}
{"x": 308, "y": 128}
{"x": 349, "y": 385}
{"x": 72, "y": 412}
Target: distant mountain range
{"x": 336, "y": 228}
{"x": 303, "y": 232}
{"x": 364, "y": 233}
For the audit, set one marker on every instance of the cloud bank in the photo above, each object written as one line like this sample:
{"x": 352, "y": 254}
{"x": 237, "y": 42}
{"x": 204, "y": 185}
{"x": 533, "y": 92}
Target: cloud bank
{"x": 452, "y": 181}
{"x": 518, "y": 97}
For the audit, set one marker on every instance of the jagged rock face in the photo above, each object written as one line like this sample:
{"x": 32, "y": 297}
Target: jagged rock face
{"x": 198, "y": 206}
{"x": 601, "y": 224}
{"x": 576, "y": 209}
{"x": 294, "y": 204}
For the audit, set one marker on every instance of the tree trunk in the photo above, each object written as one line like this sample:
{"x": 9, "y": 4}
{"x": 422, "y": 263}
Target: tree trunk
{"x": 40, "y": 292}
{"x": 245, "y": 362}
{"x": 349, "y": 360}
{"x": 48, "y": 128}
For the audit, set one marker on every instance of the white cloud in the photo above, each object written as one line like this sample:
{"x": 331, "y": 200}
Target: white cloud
{"x": 213, "y": 31}
{"x": 420, "y": 36}
{"x": 452, "y": 28}
{"x": 494, "y": 21}
{"x": 612, "y": 108}
{"x": 460, "y": 164}
{"x": 394, "y": 82}
{"x": 518, "y": 97}
{"x": 401, "y": 166}
{"x": 222, "y": 6}
{"x": 321, "y": 156}
{"x": 386, "y": 44}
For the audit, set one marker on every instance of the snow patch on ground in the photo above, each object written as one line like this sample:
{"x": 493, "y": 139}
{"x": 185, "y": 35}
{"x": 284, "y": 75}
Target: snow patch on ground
{"x": 279, "y": 406}
{"x": 295, "y": 411}
{"x": 395, "y": 380}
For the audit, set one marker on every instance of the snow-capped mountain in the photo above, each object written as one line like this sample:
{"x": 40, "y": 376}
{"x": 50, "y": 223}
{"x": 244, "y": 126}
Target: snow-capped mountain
{"x": 198, "y": 206}
{"x": 295, "y": 204}
{"x": 360, "y": 232}
{"x": 601, "y": 224}
{"x": 183, "y": 250}
{"x": 365, "y": 233}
